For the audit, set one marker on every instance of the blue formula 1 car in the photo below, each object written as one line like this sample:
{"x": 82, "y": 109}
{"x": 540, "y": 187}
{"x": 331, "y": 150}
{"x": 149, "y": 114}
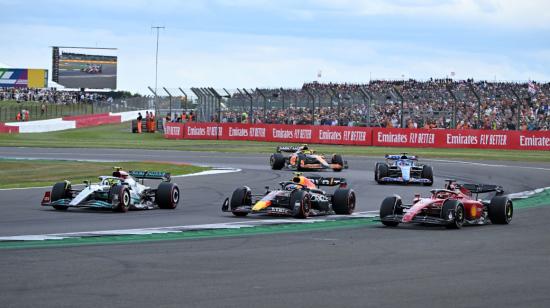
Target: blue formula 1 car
{"x": 403, "y": 169}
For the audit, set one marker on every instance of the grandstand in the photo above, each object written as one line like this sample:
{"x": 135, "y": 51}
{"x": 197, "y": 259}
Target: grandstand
{"x": 435, "y": 103}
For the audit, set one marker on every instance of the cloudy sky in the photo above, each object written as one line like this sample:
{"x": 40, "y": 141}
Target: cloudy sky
{"x": 249, "y": 43}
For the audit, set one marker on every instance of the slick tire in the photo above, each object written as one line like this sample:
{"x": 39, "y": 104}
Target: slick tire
{"x": 382, "y": 171}
{"x": 167, "y": 195}
{"x": 120, "y": 197}
{"x": 300, "y": 204}
{"x": 60, "y": 191}
{"x": 390, "y": 206}
{"x": 501, "y": 210}
{"x": 427, "y": 173}
{"x": 376, "y": 172}
{"x": 241, "y": 196}
{"x": 343, "y": 201}
{"x": 458, "y": 214}
{"x": 338, "y": 160}
{"x": 277, "y": 161}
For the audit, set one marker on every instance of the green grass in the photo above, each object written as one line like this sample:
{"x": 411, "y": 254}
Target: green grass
{"x": 119, "y": 136}
{"x": 33, "y": 173}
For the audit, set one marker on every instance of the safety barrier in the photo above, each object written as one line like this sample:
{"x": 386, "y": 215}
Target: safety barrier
{"x": 8, "y": 129}
{"x": 98, "y": 120}
{"x": 366, "y": 136}
{"x": 68, "y": 122}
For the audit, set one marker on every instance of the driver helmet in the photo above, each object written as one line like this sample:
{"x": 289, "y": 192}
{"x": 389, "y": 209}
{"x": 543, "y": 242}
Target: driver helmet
{"x": 451, "y": 186}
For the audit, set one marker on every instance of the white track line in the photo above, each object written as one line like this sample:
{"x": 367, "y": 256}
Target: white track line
{"x": 146, "y": 231}
{"x": 207, "y": 172}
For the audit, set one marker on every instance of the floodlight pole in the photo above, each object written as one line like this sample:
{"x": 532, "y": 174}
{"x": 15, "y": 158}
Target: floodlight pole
{"x": 157, "y": 56}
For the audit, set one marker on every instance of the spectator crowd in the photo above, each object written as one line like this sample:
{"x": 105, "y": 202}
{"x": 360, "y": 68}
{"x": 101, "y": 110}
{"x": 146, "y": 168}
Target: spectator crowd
{"x": 436, "y": 103}
{"x": 442, "y": 103}
{"x": 51, "y": 96}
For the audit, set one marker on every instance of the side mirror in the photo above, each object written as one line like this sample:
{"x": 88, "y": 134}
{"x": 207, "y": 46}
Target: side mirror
{"x": 87, "y": 183}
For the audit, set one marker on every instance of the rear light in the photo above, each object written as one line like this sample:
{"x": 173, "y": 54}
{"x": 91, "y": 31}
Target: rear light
{"x": 47, "y": 197}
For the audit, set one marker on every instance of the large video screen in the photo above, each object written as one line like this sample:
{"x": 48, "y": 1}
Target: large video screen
{"x": 85, "y": 67}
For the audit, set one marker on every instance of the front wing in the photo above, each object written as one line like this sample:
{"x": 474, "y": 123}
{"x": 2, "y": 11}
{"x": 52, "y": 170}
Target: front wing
{"x": 389, "y": 179}
{"x": 417, "y": 219}
{"x": 274, "y": 211}
{"x": 100, "y": 204}
{"x": 89, "y": 203}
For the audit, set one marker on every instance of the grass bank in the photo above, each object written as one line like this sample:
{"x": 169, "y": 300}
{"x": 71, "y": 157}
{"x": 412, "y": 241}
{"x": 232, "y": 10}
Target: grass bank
{"x": 34, "y": 173}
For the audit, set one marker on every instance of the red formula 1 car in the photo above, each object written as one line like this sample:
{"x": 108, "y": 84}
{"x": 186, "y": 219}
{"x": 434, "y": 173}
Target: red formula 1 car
{"x": 453, "y": 206}
{"x": 302, "y": 158}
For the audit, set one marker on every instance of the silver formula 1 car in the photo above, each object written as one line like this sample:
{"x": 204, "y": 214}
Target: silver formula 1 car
{"x": 119, "y": 192}
{"x": 403, "y": 169}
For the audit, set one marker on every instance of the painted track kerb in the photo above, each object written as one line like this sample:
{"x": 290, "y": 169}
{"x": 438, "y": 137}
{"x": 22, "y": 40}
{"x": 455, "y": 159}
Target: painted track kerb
{"x": 207, "y": 172}
{"x": 164, "y": 230}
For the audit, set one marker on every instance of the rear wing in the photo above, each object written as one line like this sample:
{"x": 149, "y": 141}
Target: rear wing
{"x": 483, "y": 188}
{"x": 151, "y": 175}
{"x": 327, "y": 181}
{"x": 397, "y": 157}
{"x": 288, "y": 149}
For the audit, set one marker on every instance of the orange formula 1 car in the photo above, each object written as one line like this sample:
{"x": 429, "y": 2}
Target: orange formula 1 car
{"x": 302, "y": 159}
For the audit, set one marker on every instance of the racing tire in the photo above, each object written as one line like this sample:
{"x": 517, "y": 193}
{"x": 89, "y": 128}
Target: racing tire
{"x": 337, "y": 159}
{"x": 299, "y": 161}
{"x": 500, "y": 210}
{"x": 428, "y": 173}
{"x": 60, "y": 191}
{"x": 277, "y": 161}
{"x": 343, "y": 201}
{"x": 381, "y": 171}
{"x": 390, "y": 206}
{"x": 241, "y": 196}
{"x": 304, "y": 198}
{"x": 119, "y": 195}
{"x": 167, "y": 195}
{"x": 458, "y": 216}
{"x": 376, "y": 172}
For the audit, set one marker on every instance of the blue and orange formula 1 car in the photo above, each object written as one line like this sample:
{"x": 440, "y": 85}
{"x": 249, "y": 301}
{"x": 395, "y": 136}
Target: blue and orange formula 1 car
{"x": 303, "y": 158}
{"x": 403, "y": 169}
{"x": 300, "y": 197}
{"x": 453, "y": 206}
{"x": 119, "y": 192}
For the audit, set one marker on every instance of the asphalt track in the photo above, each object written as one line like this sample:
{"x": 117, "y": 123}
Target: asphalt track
{"x": 359, "y": 267}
